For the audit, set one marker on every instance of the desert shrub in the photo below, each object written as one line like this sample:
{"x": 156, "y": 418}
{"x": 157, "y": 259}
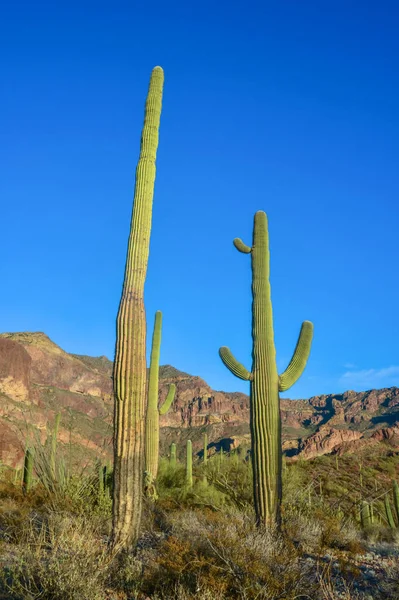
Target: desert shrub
{"x": 125, "y": 575}
{"x": 227, "y": 556}
{"x": 59, "y": 557}
{"x": 232, "y": 477}
{"x": 173, "y": 492}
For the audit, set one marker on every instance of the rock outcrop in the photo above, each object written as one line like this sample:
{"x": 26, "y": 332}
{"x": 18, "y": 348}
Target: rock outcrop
{"x": 39, "y": 379}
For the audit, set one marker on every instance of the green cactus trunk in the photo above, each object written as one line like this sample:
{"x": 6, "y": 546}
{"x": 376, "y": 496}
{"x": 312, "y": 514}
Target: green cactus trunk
{"x": 153, "y": 412}
{"x": 173, "y": 460}
{"x": 189, "y": 465}
{"x": 388, "y": 512}
{"x": 28, "y": 471}
{"x": 265, "y": 384}
{"x": 365, "y": 515}
{"x": 130, "y": 369}
{"x": 205, "y": 448}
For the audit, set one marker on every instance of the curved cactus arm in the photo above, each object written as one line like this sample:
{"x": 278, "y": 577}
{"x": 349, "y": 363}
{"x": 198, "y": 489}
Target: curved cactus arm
{"x": 299, "y": 358}
{"x": 168, "y": 400}
{"x": 241, "y": 247}
{"x": 233, "y": 365}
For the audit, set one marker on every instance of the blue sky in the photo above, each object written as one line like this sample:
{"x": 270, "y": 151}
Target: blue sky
{"x": 288, "y": 107}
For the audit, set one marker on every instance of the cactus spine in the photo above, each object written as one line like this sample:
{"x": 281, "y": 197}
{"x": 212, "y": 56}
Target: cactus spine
{"x": 129, "y": 375}
{"x": 28, "y": 471}
{"x": 265, "y": 383}
{"x": 189, "y": 465}
{"x": 153, "y": 412}
{"x": 173, "y": 456}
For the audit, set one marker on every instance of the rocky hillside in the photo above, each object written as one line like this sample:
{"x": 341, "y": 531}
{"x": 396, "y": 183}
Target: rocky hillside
{"x": 39, "y": 379}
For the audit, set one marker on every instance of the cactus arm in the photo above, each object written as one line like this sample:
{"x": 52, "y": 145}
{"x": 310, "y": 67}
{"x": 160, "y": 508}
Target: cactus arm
{"x": 233, "y": 365}
{"x": 168, "y": 400}
{"x": 299, "y": 358}
{"x": 241, "y": 247}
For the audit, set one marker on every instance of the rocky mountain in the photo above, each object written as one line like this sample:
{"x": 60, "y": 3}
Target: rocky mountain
{"x": 38, "y": 379}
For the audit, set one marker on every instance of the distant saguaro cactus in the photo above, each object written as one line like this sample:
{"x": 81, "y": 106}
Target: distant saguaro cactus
{"x": 129, "y": 374}
{"x": 388, "y": 512}
{"x": 265, "y": 383}
{"x": 153, "y": 412}
{"x": 189, "y": 465}
{"x": 173, "y": 455}
{"x": 365, "y": 515}
{"x": 205, "y": 448}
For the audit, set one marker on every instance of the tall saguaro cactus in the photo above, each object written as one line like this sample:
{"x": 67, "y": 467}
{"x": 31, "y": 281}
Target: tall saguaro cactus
{"x": 129, "y": 375}
{"x": 265, "y": 383}
{"x": 153, "y": 412}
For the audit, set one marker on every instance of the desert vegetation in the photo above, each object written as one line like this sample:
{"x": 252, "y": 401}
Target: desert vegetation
{"x": 198, "y": 538}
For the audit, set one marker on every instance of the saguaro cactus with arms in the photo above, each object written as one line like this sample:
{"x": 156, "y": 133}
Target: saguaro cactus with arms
{"x": 265, "y": 383}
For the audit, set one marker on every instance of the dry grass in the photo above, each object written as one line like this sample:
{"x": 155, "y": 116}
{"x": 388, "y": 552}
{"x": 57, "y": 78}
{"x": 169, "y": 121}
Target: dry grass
{"x": 199, "y": 544}
{"x": 59, "y": 556}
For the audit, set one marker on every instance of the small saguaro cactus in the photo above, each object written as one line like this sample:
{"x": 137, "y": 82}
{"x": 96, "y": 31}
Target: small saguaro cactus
{"x": 28, "y": 471}
{"x": 265, "y": 383}
{"x": 205, "y": 448}
{"x": 153, "y": 412}
{"x": 365, "y": 515}
{"x": 189, "y": 465}
{"x": 173, "y": 455}
{"x": 130, "y": 368}
{"x": 388, "y": 512}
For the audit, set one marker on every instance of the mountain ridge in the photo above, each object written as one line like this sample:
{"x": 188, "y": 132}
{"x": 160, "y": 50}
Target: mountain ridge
{"x": 38, "y": 377}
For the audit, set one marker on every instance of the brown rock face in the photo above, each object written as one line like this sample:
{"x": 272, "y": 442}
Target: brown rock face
{"x": 38, "y": 379}
{"x": 52, "y": 367}
{"x": 197, "y": 405}
{"x": 15, "y": 365}
{"x": 326, "y": 440}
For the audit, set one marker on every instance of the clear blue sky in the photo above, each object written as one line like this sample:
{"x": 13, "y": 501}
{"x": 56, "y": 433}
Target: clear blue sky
{"x": 285, "y": 106}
